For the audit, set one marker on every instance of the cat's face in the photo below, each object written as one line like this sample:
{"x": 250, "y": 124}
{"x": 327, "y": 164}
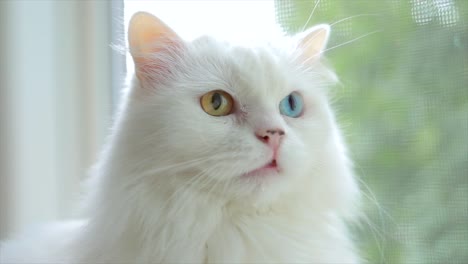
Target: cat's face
{"x": 233, "y": 121}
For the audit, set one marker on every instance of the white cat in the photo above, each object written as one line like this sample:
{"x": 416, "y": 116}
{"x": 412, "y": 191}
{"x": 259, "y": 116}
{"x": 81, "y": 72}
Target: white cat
{"x": 220, "y": 154}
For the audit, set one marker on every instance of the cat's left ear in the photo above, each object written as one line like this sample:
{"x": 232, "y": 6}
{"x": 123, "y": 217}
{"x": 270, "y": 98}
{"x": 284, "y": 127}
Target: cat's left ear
{"x": 312, "y": 42}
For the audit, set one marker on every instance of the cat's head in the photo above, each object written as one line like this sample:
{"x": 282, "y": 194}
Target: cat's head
{"x": 234, "y": 121}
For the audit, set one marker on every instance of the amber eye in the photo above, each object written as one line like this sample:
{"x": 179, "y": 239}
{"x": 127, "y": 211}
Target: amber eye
{"x": 217, "y": 103}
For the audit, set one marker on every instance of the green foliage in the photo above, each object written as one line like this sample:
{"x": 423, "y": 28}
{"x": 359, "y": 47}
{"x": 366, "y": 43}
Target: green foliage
{"x": 404, "y": 108}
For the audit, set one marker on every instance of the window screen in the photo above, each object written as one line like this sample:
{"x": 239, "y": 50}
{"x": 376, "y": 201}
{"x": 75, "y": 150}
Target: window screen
{"x": 403, "y": 104}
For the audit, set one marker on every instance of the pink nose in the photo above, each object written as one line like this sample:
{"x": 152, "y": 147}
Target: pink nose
{"x": 271, "y": 137}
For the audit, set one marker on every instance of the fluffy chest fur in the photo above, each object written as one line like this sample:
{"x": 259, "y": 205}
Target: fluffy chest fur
{"x": 209, "y": 232}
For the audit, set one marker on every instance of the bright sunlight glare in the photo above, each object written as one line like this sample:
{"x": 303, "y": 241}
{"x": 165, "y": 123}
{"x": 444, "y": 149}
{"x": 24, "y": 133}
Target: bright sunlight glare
{"x": 238, "y": 21}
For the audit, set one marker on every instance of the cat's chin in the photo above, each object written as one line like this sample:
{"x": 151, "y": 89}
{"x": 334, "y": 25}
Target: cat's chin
{"x": 269, "y": 169}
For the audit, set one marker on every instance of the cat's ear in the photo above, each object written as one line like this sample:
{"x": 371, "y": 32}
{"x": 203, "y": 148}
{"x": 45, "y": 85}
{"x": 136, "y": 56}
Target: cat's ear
{"x": 312, "y": 42}
{"x": 148, "y": 36}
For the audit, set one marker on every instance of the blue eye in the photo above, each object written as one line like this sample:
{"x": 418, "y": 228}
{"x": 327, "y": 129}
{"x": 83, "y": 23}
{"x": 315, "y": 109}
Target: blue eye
{"x": 292, "y": 105}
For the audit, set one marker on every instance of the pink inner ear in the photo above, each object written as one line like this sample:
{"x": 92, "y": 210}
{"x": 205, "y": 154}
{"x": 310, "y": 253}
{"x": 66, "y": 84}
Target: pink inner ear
{"x": 312, "y": 43}
{"x": 157, "y": 64}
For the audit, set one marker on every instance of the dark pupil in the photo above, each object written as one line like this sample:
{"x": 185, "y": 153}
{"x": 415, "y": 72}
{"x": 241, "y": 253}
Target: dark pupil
{"x": 216, "y": 101}
{"x": 292, "y": 102}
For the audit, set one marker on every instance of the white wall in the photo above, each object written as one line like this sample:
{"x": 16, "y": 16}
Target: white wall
{"x": 56, "y": 77}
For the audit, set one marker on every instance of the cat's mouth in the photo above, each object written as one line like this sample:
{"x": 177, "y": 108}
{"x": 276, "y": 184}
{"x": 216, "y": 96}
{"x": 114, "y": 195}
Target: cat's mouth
{"x": 270, "y": 168}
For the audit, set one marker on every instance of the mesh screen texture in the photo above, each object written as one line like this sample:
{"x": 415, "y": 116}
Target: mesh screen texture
{"x": 403, "y": 105}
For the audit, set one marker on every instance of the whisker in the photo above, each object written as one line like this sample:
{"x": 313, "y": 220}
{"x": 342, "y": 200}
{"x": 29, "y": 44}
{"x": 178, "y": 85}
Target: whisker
{"x": 373, "y": 199}
{"x": 310, "y": 16}
{"x": 351, "y": 17}
{"x": 350, "y": 41}
{"x": 177, "y": 166}
{"x": 184, "y": 187}
{"x": 213, "y": 186}
{"x": 379, "y": 234}
{"x": 342, "y": 44}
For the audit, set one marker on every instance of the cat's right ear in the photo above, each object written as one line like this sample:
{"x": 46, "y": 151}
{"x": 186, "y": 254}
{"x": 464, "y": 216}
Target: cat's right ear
{"x": 313, "y": 42}
{"x": 151, "y": 42}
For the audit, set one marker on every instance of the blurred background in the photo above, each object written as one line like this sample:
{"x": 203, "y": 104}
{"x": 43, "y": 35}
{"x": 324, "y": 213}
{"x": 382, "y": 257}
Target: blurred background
{"x": 403, "y": 104}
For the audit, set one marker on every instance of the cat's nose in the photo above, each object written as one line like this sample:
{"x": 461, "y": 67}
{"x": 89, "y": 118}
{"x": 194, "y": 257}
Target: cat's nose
{"x": 271, "y": 137}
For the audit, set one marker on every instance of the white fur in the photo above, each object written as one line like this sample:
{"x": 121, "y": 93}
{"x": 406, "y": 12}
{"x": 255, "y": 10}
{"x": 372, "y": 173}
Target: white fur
{"x": 167, "y": 188}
